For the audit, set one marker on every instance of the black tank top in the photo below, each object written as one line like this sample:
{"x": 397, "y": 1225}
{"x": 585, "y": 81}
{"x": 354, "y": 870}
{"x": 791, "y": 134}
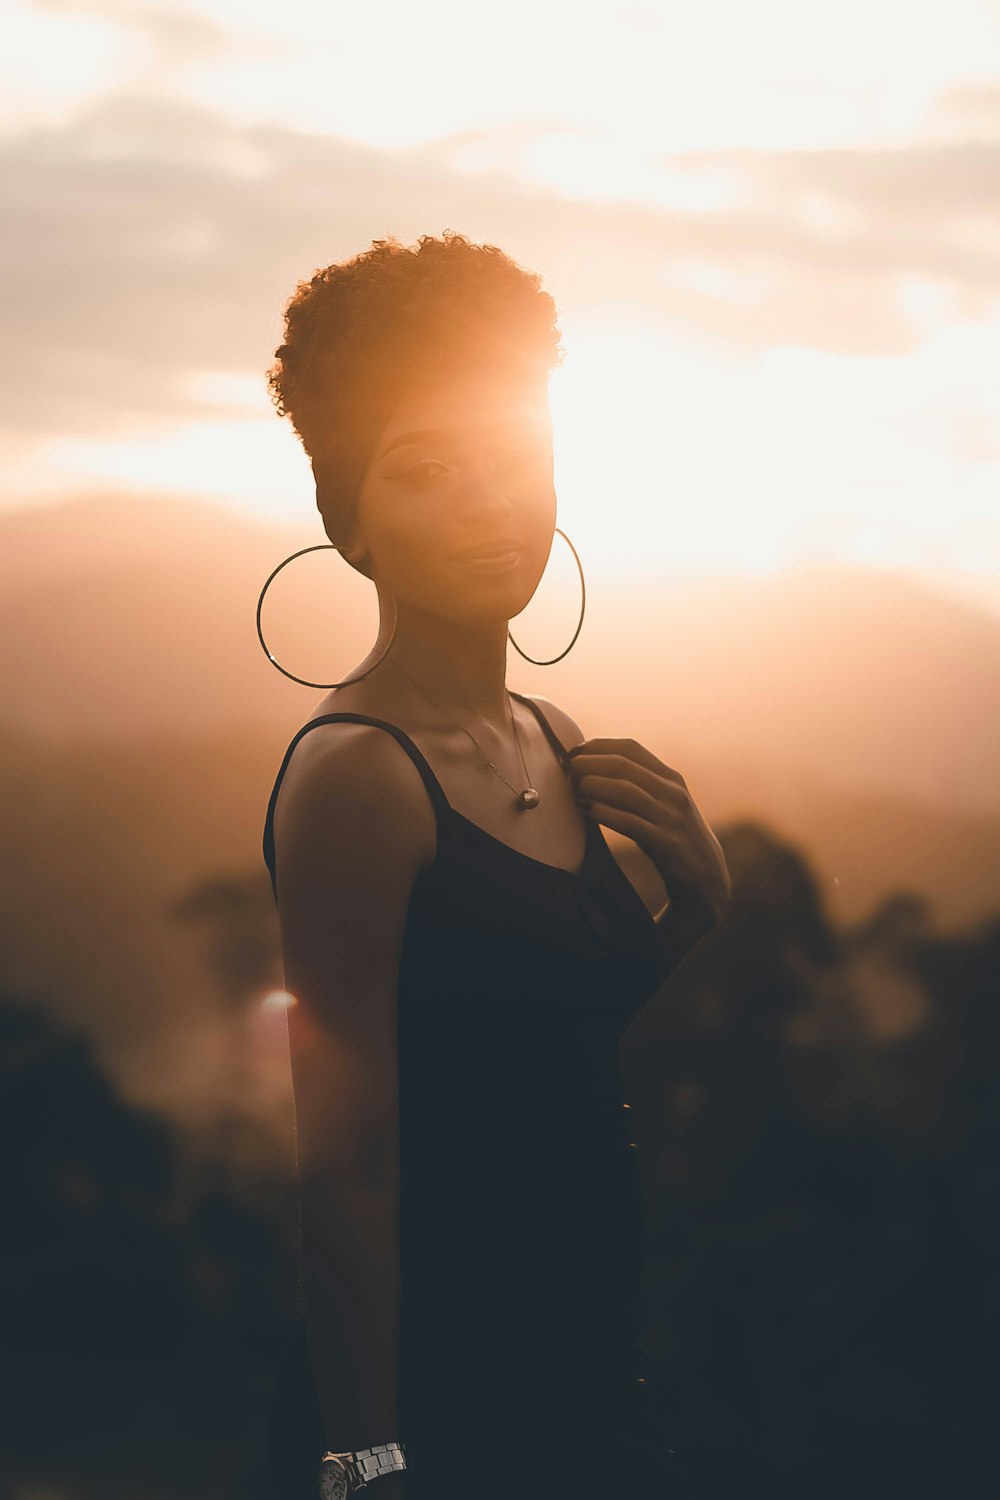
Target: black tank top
{"x": 521, "y": 1229}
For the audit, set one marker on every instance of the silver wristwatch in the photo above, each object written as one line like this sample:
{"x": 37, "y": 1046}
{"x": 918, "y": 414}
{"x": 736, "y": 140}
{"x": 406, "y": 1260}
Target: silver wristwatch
{"x": 340, "y": 1474}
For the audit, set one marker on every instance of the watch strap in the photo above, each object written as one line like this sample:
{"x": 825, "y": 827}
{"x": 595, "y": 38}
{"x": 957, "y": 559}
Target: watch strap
{"x": 384, "y": 1458}
{"x": 366, "y": 1464}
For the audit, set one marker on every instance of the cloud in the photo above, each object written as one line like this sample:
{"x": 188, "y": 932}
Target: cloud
{"x": 970, "y": 108}
{"x": 150, "y": 240}
{"x": 176, "y": 37}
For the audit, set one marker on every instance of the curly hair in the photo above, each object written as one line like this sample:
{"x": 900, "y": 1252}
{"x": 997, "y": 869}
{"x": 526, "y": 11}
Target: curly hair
{"x": 361, "y": 332}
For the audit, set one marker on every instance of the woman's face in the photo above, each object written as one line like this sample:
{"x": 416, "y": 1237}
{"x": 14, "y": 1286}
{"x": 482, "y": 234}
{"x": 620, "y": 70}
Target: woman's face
{"x": 459, "y": 467}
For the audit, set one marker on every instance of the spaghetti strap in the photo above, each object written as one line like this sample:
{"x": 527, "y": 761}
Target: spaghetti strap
{"x": 434, "y": 787}
{"x": 550, "y": 733}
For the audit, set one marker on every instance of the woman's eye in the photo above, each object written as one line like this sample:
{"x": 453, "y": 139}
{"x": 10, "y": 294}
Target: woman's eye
{"x": 425, "y": 463}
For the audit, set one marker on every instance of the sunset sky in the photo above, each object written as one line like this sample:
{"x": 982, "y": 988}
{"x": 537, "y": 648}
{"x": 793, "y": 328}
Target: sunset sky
{"x": 772, "y": 231}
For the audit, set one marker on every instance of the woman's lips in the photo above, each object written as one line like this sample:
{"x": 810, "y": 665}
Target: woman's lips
{"x": 504, "y": 559}
{"x": 496, "y": 547}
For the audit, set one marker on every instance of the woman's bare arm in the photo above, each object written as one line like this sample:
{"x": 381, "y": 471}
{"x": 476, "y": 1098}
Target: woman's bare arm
{"x": 353, "y": 827}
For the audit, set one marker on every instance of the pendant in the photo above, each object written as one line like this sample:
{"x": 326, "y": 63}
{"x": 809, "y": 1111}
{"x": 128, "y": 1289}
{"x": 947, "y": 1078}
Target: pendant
{"x": 529, "y": 797}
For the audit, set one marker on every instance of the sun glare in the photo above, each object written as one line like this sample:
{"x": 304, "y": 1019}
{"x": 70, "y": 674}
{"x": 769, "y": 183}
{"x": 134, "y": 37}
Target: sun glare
{"x": 278, "y": 1000}
{"x": 672, "y": 455}
{"x": 652, "y": 436}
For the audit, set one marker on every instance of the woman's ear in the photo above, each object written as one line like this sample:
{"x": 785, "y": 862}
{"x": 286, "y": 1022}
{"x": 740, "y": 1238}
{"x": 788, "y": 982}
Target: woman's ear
{"x": 323, "y": 477}
{"x": 340, "y": 529}
{"x": 326, "y": 500}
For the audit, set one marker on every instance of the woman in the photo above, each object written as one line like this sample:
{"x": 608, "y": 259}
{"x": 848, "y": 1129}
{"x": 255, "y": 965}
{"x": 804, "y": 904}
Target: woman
{"x": 464, "y": 950}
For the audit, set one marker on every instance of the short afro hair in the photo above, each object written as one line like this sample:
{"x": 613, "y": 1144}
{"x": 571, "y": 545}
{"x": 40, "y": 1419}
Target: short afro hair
{"x": 360, "y": 333}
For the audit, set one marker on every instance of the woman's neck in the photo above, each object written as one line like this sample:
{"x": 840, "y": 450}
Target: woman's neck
{"x": 460, "y": 666}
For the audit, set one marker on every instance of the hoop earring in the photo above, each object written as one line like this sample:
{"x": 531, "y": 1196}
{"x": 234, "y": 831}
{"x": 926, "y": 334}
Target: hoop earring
{"x": 583, "y": 606}
{"x": 319, "y": 547}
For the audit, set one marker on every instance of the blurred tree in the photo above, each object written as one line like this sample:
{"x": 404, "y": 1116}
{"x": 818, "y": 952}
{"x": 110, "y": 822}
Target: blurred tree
{"x": 141, "y": 1292}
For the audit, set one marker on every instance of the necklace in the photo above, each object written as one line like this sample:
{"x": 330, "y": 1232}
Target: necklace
{"x": 528, "y": 798}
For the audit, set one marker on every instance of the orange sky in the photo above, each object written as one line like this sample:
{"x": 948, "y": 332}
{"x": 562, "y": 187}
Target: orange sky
{"x": 772, "y": 232}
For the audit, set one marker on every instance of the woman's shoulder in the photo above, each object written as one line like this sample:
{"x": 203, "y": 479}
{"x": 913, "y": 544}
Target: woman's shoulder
{"x": 355, "y": 698}
{"x": 564, "y": 726}
{"x": 351, "y": 788}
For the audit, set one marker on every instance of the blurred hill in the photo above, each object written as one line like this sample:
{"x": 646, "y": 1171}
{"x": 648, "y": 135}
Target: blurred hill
{"x": 141, "y": 728}
{"x": 125, "y": 616}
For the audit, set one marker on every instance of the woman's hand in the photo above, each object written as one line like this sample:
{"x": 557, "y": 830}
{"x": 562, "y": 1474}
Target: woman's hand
{"x": 625, "y": 786}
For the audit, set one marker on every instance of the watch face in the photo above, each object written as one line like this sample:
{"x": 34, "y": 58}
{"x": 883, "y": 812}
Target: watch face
{"x": 332, "y": 1480}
